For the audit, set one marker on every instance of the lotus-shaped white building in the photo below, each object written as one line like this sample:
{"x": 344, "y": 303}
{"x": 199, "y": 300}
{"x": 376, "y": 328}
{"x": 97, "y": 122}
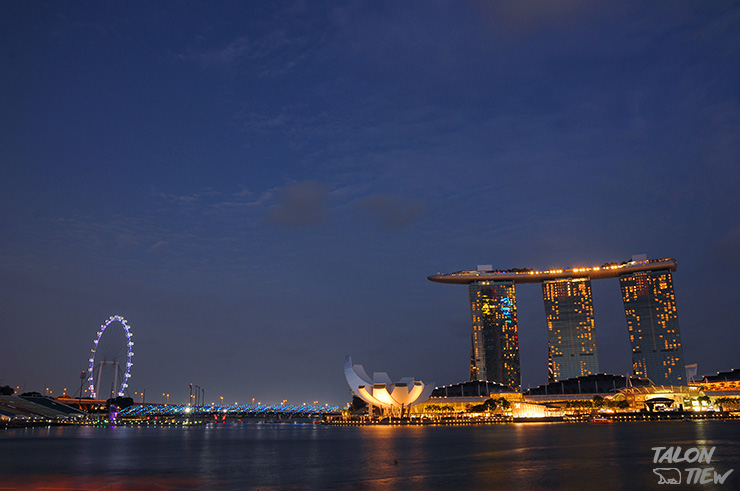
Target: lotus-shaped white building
{"x": 382, "y": 393}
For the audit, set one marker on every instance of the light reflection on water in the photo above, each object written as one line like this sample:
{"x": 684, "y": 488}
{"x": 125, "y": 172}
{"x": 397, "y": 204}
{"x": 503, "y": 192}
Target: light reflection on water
{"x": 238, "y": 456}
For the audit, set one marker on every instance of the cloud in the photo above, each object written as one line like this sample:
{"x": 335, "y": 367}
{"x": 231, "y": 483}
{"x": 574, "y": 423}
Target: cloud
{"x": 300, "y": 204}
{"x": 390, "y": 211}
{"x": 159, "y": 245}
{"x": 526, "y": 16}
{"x": 273, "y": 53}
{"x": 186, "y": 199}
{"x": 126, "y": 240}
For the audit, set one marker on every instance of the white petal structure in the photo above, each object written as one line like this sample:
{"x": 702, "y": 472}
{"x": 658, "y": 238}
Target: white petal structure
{"x": 381, "y": 392}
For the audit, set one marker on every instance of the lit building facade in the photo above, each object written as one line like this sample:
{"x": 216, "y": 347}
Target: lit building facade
{"x": 570, "y": 326}
{"x": 394, "y": 398}
{"x": 652, "y": 321}
{"x": 649, "y": 303}
{"x": 494, "y": 353}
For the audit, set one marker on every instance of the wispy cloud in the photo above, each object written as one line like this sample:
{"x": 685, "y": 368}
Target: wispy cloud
{"x": 243, "y": 48}
{"x": 391, "y": 212}
{"x": 159, "y": 245}
{"x": 301, "y": 204}
{"x": 188, "y": 198}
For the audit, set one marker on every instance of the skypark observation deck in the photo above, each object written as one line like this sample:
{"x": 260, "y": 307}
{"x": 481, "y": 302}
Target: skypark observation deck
{"x": 519, "y": 276}
{"x": 649, "y": 306}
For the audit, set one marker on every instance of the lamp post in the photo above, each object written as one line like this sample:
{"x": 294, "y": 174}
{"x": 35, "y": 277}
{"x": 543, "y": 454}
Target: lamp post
{"x": 82, "y": 379}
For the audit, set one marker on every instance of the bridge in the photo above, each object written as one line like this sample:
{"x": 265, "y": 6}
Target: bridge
{"x": 215, "y": 411}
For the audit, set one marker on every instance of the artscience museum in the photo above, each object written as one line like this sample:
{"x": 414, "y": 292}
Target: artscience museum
{"x": 394, "y": 398}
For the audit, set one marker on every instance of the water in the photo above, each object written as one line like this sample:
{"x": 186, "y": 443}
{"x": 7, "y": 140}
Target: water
{"x": 295, "y": 456}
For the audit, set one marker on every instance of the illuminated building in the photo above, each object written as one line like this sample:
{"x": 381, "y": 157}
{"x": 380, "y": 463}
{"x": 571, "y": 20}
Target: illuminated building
{"x": 472, "y": 388}
{"x": 461, "y": 396}
{"x": 600, "y": 383}
{"x": 395, "y": 398}
{"x": 570, "y": 326}
{"x": 494, "y": 352}
{"x": 652, "y": 321}
{"x": 649, "y": 303}
{"x": 723, "y": 381}
{"x": 662, "y": 397}
{"x": 523, "y": 411}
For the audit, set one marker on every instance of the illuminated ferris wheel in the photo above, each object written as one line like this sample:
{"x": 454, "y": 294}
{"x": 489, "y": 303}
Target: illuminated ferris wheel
{"x": 109, "y": 368}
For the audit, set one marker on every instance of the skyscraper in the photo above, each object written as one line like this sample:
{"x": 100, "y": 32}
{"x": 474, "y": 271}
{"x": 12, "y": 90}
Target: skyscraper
{"x": 494, "y": 353}
{"x": 649, "y": 304}
{"x": 652, "y": 320}
{"x": 570, "y": 326}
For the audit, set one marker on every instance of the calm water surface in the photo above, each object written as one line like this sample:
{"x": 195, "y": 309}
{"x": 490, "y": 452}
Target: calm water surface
{"x": 295, "y": 456}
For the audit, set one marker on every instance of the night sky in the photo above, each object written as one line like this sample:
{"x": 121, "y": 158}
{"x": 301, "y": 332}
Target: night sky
{"x": 262, "y": 188}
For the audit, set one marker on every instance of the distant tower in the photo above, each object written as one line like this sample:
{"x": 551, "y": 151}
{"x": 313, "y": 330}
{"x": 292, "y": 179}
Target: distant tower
{"x": 652, "y": 320}
{"x": 570, "y": 326}
{"x": 494, "y": 354}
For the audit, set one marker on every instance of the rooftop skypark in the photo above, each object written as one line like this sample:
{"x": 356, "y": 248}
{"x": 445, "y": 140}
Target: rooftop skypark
{"x": 526, "y": 275}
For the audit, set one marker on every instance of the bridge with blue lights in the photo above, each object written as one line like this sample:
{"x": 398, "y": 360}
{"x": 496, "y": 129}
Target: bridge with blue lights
{"x": 145, "y": 411}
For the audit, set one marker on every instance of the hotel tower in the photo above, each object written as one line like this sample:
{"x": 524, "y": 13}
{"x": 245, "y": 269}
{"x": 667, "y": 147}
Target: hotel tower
{"x": 652, "y": 321}
{"x": 649, "y": 305}
{"x": 570, "y": 329}
{"x": 494, "y": 352}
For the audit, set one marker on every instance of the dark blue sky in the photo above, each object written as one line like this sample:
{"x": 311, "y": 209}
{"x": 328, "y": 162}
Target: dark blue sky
{"x": 263, "y": 188}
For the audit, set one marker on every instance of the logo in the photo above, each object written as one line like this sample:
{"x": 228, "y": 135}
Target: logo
{"x": 694, "y": 475}
{"x": 668, "y": 475}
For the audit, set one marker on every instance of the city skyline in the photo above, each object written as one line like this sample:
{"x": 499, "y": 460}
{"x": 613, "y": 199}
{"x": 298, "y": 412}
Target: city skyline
{"x": 262, "y": 189}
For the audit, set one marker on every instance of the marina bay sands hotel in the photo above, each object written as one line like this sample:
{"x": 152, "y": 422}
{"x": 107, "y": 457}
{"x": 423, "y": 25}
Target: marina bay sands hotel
{"x": 649, "y": 304}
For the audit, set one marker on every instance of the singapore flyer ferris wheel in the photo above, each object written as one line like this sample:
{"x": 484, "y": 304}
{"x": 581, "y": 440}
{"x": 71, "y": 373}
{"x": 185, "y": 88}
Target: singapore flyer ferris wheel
{"x": 109, "y": 368}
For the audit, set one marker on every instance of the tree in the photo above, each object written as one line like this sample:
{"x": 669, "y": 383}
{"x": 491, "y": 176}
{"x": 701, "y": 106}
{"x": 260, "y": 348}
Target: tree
{"x": 7, "y": 390}
{"x": 598, "y": 402}
{"x": 490, "y": 404}
{"x": 357, "y": 404}
{"x": 487, "y": 406}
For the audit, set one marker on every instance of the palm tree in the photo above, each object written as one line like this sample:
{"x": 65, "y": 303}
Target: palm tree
{"x": 598, "y": 402}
